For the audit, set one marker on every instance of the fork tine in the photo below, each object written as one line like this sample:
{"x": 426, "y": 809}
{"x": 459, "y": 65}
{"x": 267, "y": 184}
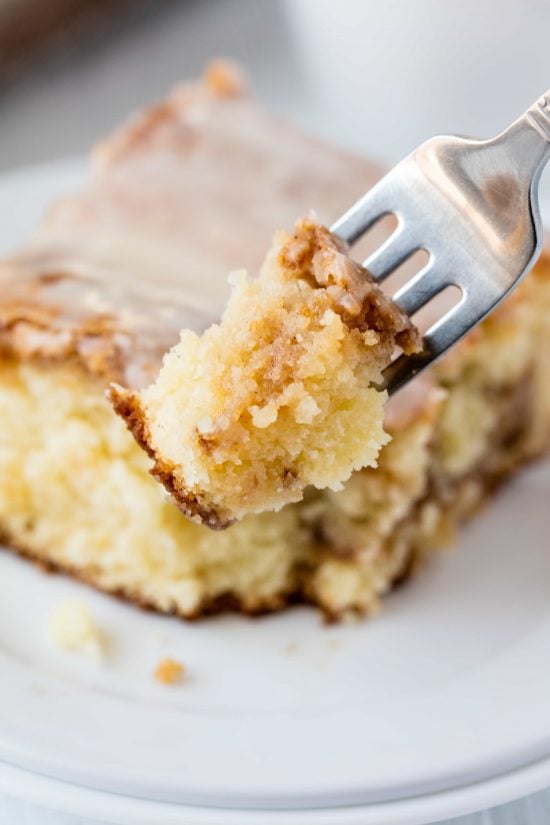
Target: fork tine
{"x": 362, "y": 215}
{"x": 439, "y": 338}
{"x": 395, "y": 249}
{"x": 419, "y": 290}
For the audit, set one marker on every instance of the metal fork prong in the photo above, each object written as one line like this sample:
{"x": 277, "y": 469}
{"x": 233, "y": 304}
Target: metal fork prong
{"x": 425, "y": 285}
{"x": 362, "y": 215}
{"x": 439, "y": 338}
{"x": 393, "y": 252}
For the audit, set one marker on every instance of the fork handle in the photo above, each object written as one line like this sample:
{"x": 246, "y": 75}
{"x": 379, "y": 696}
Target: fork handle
{"x": 538, "y": 116}
{"x": 528, "y": 139}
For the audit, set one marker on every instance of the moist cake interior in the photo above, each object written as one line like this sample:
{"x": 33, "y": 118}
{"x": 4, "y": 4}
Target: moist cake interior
{"x": 283, "y": 394}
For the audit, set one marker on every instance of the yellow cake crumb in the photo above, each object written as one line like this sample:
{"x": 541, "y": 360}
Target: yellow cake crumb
{"x": 169, "y": 671}
{"x": 283, "y": 394}
{"x": 72, "y": 627}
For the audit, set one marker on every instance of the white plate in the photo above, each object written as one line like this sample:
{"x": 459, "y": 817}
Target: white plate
{"x": 447, "y": 689}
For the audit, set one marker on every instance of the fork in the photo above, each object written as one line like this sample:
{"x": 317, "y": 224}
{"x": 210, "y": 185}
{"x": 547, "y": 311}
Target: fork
{"x": 472, "y": 205}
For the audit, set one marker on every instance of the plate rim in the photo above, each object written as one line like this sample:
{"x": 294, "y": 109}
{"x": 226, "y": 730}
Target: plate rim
{"x": 117, "y": 809}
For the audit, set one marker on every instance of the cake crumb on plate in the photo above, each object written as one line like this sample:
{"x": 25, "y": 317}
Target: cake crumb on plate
{"x": 169, "y": 671}
{"x": 72, "y": 627}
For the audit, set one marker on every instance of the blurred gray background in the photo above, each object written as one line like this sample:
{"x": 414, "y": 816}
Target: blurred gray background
{"x": 376, "y": 76}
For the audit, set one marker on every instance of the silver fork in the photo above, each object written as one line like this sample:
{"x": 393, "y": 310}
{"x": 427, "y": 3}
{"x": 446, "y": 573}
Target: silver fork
{"x": 473, "y": 206}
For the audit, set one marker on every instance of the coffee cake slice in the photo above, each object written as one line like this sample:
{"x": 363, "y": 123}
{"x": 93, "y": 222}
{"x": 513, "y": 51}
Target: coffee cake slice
{"x": 100, "y": 294}
{"x": 283, "y": 394}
